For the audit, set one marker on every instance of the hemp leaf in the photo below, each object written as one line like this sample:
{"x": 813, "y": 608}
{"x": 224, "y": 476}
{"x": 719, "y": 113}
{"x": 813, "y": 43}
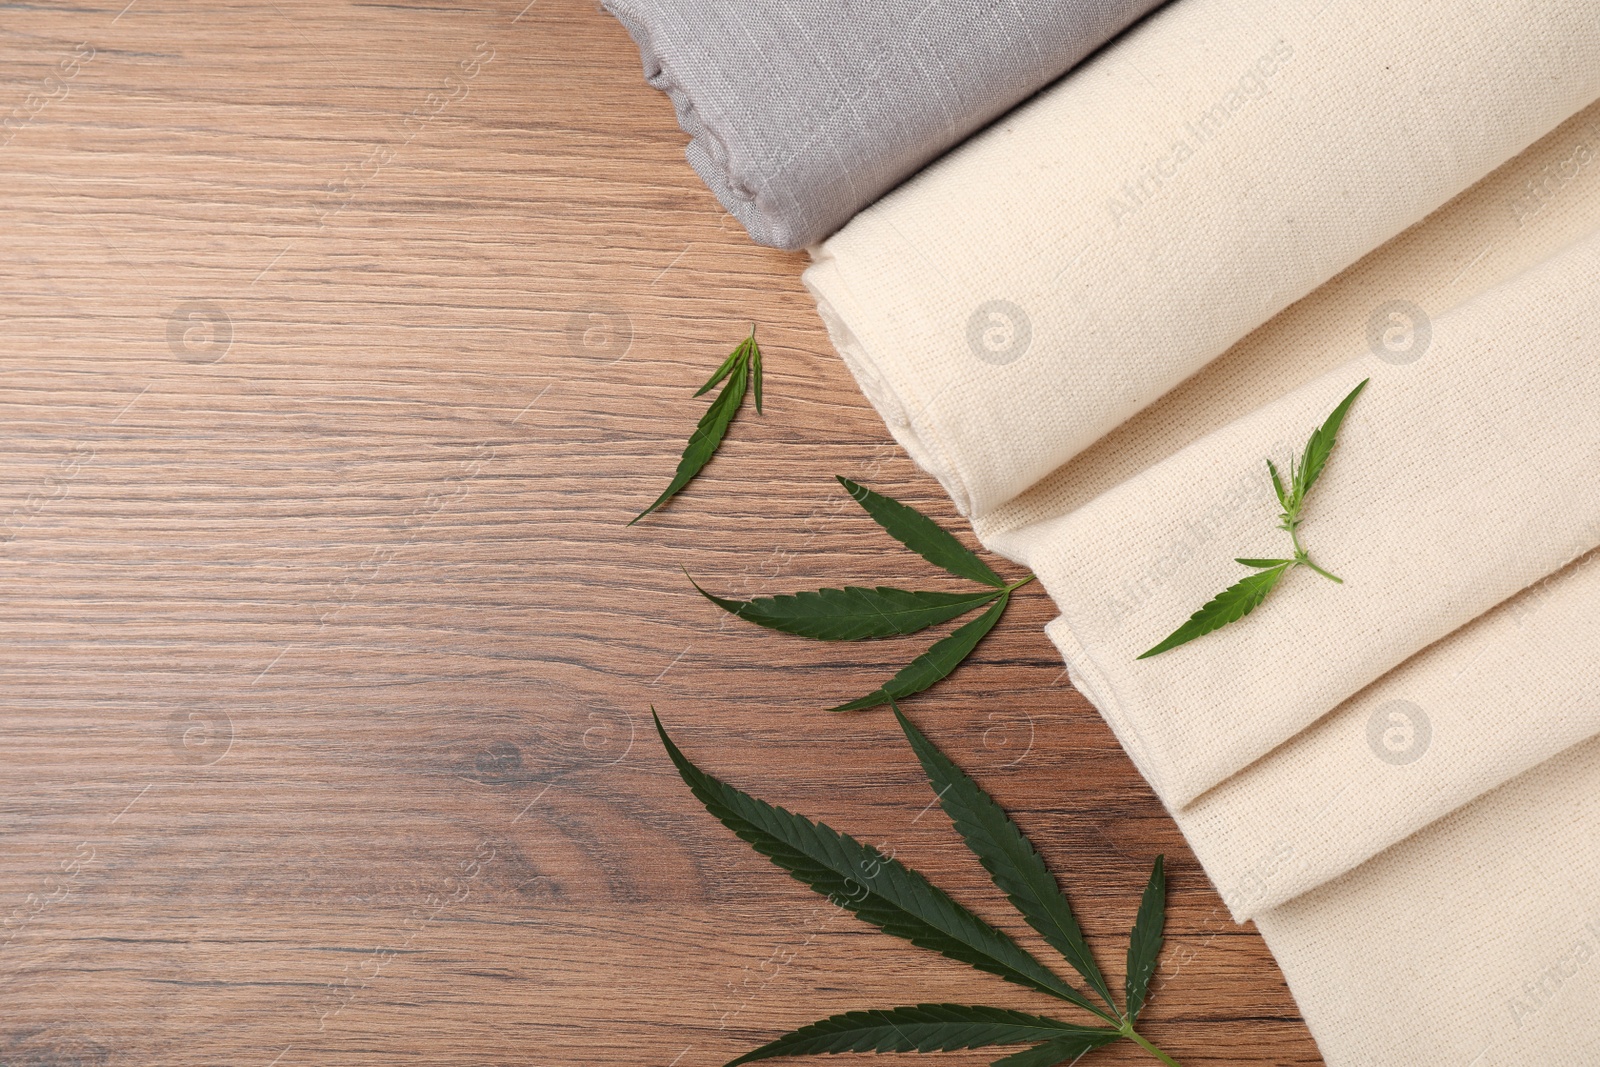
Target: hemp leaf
{"x": 883, "y": 892}
{"x": 1245, "y": 595}
{"x": 854, "y": 613}
{"x": 1230, "y": 605}
{"x": 740, "y": 369}
{"x": 921, "y": 535}
{"x": 942, "y": 657}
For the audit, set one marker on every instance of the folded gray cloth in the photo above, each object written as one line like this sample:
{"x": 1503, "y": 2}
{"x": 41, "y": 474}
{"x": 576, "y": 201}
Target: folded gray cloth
{"x": 802, "y": 112}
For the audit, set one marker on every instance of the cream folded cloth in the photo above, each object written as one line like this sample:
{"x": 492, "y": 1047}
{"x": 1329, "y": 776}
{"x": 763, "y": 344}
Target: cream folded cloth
{"x": 1356, "y": 845}
{"x": 1032, "y": 290}
{"x": 1474, "y": 943}
{"x": 1459, "y": 480}
{"x": 1497, "y": 697}
{"x": 1415, "y": 837}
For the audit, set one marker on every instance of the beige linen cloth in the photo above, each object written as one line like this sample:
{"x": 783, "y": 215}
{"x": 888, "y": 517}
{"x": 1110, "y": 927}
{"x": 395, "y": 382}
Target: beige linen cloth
{"x": 1029, "y": 292}
{"x": 1094, "y": 339}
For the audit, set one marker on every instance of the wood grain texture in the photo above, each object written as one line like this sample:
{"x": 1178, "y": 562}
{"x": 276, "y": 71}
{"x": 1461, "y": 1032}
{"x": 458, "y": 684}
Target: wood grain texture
{"x": 340, "y": 341}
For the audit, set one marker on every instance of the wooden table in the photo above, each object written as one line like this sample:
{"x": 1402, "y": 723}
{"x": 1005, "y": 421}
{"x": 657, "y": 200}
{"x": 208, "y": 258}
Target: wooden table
{"x": 341, "y": 341}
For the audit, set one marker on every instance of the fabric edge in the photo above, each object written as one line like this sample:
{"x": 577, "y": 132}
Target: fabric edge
{"x": 708, "y": 152}
{"x": 828, "y": 288}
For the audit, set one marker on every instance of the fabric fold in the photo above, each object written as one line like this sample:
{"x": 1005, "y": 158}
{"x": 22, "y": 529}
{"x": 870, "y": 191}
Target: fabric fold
{"x": 1340, "y": 832}
{"x": 1474, "y": 942}
{"x": 1433, "y": 453}
{"x": 1036, "y": 288}
{"x": 1496, "y": 698}
{"x": 802, "y": 113}
{"x": 1522, "y": 214}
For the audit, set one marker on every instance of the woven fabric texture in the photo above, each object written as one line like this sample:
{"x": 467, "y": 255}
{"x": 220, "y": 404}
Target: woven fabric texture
{"x": 1434, "y": 455}
{"x": 801, "y": 113}
{"x": 1033, "y": 290}
{"x": 1475, "y": 942}
{"x": 1393, "y": 778}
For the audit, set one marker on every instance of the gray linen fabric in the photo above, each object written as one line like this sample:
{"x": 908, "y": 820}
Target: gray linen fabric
{"x": 802, "y": 112}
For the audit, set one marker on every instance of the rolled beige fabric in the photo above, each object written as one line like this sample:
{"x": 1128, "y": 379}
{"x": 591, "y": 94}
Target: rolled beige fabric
{"x": 1474, "y": 943}
{"x": 1496, "y": 698}
{"x": 1413, "y": 829}
{"x": 1526, "y": 211}
{"x": 1028, "y": 293}
{"x": 1457, "y": 482}
{"x": 1355, "y": 844}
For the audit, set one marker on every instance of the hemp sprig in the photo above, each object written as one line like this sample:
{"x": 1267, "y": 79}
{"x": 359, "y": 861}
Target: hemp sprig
{"x": 1247, "y": 594}
{"x": 885, "y": 893}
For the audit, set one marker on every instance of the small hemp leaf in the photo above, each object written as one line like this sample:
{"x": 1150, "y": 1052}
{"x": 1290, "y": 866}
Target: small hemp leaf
{"x": 854, "y": 613}
{"x": 1247, "y": 594}
{"x": 741, "y": 370}
{"x": 885, "y": 893}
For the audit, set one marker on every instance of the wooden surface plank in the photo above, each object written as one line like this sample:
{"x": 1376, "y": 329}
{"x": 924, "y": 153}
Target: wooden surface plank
{"x": 341, "y": 339}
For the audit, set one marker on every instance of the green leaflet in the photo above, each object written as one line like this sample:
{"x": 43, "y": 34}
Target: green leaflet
{"x": 1144, "y": 943}
{"x": 1241, "y": 598}
{"x": 1063, "y": 1050}
{"x": 743, "y": 363}
{"x": 740, "y": 353}
{"x": 877, "y": 888}
{"x": 942, "y": 657}
{"x": 1277, "y": 485}
{"x": 922, "y": 535}
{"x": 755, "y": 368}
{"x": 923, "y": 1028}
{"x": 1013, "y": 864}
{"x": 1230, "y": 605}
{"x": 852, "y": 613}
{"x": 898, "y": 900}
{"x": 1320, "y": 446}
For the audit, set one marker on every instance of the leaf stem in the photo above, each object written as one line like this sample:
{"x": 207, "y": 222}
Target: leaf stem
{"x": 1319, "y": 570}
{"x": 1302, "y": 557}
{"x": 1139, "y": 1039}
{"x": 1020, "y": 583}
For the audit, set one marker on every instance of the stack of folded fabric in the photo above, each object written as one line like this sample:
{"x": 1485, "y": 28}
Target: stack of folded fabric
{"x": 1096, "y": 320}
